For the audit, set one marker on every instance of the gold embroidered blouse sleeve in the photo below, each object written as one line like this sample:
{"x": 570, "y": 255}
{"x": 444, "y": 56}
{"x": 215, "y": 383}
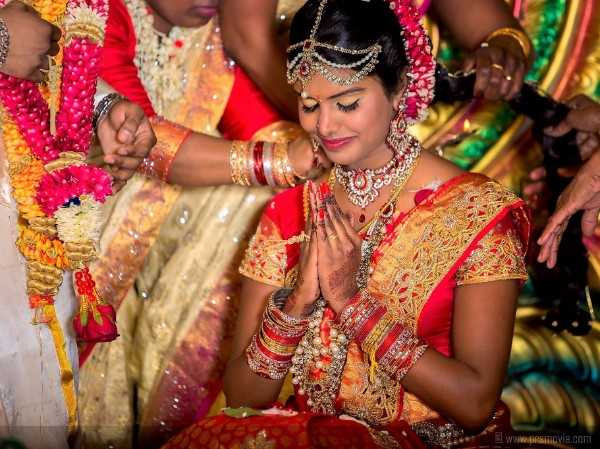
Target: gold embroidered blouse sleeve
{"x": 499, "y": 255}
{"x": 266, "y": 258}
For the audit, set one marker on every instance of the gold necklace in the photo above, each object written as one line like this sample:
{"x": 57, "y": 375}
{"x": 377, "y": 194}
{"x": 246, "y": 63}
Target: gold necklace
{"x": 387, "y": 208}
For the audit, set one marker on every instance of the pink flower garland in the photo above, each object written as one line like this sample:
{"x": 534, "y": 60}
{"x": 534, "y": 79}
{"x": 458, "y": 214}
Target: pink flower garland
{"x": 421, "y": 73}
{"x": 60, "y": 186}
{"x": 63, "y": 187}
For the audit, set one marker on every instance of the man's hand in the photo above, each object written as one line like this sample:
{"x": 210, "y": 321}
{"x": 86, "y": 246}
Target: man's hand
{"x": 583, "y": 193}
{"x": 500, "y": 71}
{"x": 32, "y": 40}
{"x": 126, "y": 137}
{"x": 585, "y": 118}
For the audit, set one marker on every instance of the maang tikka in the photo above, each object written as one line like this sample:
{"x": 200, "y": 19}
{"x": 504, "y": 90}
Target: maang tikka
{"x": 309, "y": 61}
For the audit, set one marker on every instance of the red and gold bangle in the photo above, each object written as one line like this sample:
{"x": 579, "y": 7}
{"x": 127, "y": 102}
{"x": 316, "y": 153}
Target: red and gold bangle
{"x": 388, "y": 342}
{"x": 258, "y": 158}
{"x": 170, "y": 137}
{"x": 263, "y": 365}
{"x": 271, "y": 350}
{"x": 356, "y": 315}
{"x": 261, "y": 163}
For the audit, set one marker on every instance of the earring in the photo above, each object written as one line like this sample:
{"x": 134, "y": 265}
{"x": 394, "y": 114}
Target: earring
{"x": 396, "y": 137}
{"x": 315, "y": 144}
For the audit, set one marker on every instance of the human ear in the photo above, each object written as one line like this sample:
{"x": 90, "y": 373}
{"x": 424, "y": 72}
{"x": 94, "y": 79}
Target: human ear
{"x": 398, "y": 97}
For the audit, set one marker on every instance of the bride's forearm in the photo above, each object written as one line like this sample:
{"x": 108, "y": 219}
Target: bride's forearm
{"x": 244, "y": 388}
{"x": 202, "y": 160}
{"x": 464, "y": 387}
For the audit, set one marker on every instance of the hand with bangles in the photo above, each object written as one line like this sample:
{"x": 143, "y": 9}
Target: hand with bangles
{"x": 26, "y": 42}
{"x": 501, "y": 65}
{"x": 339, "y": 249}
{"x": 125, "y": 135}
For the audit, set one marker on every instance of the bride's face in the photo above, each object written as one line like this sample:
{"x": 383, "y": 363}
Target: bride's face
{"x": 185, "y": 13}
{"x": 351, "y": 122}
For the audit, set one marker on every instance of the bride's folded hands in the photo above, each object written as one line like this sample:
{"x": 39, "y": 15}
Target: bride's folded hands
{"x": 339, "y": 252}
{"x": 301, "y": 301}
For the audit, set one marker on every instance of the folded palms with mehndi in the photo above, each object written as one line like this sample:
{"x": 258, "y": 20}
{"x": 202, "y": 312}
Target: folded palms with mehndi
{"x": 338, "y": 249}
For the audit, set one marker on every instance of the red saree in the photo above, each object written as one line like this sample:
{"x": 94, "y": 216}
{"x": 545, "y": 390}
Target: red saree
{"x": 469, "y": 230}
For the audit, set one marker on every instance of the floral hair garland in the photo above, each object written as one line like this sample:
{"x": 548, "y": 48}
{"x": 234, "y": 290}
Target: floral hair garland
{"x": 57, "y": 193}
{"x": 421, "y": 63}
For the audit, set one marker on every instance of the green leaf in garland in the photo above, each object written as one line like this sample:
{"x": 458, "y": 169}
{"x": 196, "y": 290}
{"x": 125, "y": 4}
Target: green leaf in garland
{"x": 241, "y": 412}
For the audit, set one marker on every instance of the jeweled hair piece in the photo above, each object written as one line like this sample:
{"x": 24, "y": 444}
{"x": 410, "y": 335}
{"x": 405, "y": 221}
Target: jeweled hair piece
{"x": 309, "y": 61}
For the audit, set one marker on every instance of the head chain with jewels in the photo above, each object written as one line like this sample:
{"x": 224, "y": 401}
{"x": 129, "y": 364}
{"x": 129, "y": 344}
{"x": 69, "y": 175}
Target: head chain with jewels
{"x": 421, "y": 63}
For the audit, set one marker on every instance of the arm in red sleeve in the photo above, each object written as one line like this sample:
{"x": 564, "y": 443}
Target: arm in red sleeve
{"x": 247, "y": 110}
{"x": 116, "y": 65}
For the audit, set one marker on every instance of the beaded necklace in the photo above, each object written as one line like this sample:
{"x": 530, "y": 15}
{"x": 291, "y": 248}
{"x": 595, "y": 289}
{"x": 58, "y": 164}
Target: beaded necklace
{"x": 160, "y": 58}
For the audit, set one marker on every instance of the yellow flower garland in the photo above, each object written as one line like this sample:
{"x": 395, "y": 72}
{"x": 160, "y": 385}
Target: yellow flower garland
{"x": 44, "y": 253}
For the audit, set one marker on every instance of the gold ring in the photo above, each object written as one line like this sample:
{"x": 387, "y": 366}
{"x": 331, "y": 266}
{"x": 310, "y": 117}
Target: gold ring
{"x": 497, "y": 66}
{"x": 331, "y": 237}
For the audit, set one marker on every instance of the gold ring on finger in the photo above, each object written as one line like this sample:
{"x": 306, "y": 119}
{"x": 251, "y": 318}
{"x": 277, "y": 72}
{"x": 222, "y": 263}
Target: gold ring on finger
{"x": 497, "y": 66}
{"x": 331, "y": 237}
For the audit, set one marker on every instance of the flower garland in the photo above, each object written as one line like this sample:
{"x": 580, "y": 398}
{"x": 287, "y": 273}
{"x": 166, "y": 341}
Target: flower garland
{"x": 421, "y": 63}
{"x": 160, "y": 58}
{"x": 56, "y": 192}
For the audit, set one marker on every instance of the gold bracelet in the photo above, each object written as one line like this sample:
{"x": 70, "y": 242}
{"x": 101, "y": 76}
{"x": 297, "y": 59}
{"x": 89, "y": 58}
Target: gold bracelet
{"x": 378, "y": 333}
{"x": 518, "y": 35}
{"x": 238, "y": 162}
{"x": 282, "y": 170}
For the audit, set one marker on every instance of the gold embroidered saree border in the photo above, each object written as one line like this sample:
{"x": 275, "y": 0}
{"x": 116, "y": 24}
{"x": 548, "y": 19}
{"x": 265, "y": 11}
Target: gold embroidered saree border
{"x": 416, "y": 257}
{"x": 435, "y": 236}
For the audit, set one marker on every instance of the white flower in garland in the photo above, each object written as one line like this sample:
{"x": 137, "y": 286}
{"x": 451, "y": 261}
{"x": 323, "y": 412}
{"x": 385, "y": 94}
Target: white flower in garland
{"x": 80, "y": 223}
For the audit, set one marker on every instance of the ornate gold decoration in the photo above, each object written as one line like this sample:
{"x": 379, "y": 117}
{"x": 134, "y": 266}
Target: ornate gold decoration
{"x": 260, "y": 441}
{"x": 497, "y": 256}
{"x": 412, "y": 266}
{"x": 266, "y": 258}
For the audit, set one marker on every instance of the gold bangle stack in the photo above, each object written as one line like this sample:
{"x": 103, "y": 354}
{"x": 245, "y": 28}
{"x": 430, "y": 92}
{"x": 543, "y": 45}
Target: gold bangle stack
{"x": 282, "y": 170}
{"x": 516, "y": 34}
{"x": 270, "y": 164}
{"x": 239, "y": 156}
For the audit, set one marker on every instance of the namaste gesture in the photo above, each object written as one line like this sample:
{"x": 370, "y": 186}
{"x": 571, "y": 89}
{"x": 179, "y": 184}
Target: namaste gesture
{"x": 330, "y": 260}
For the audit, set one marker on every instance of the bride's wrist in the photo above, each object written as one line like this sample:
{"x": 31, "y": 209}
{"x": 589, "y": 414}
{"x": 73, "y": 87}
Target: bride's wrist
{"x": 299, "y": 304}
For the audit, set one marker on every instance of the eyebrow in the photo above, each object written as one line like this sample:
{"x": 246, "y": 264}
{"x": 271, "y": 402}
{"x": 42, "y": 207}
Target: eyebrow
{"x": 354, "y": 90}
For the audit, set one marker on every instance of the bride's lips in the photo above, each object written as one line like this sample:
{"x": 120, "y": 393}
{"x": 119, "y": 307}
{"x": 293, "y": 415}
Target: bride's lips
{"x": 335, "y": 144}
{"x": 204, "y": 11}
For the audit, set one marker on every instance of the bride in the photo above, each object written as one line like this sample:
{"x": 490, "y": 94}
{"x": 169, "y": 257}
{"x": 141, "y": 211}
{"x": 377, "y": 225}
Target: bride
{"x": 388, "y": 290}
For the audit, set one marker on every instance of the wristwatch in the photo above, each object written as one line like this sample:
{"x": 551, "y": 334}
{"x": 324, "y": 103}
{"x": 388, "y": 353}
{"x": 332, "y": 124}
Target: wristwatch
{"x": 4, "y": 42}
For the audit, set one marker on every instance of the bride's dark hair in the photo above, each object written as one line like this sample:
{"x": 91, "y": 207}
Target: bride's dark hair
{"x": 355, "y": 25}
